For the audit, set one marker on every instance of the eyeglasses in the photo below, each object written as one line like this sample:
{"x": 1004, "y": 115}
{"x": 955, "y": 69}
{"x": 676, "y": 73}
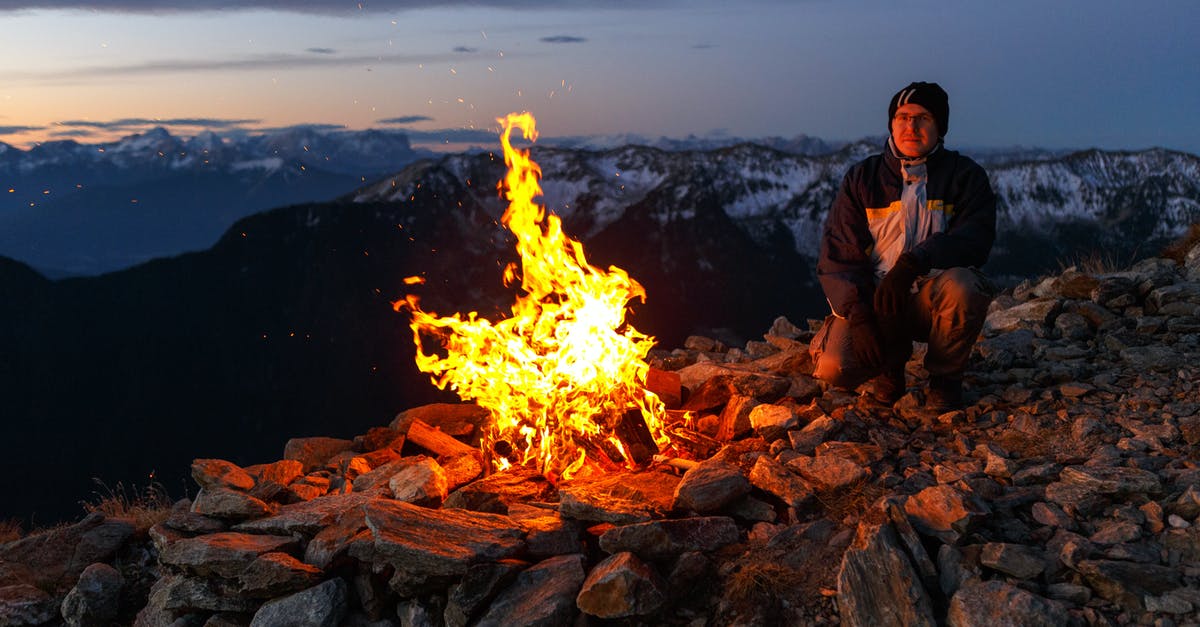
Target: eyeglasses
{"x": 919, "y": 119}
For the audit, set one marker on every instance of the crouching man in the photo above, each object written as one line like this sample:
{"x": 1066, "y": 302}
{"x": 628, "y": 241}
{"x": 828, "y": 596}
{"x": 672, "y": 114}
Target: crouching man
{"x": 899, "y": 260}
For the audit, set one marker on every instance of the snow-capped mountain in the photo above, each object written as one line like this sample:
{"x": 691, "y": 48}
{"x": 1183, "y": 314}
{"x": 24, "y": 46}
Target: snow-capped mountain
{"x": 80, "y": 209}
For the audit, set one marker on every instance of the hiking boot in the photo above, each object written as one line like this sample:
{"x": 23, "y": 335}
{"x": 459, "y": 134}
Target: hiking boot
{"x": 888, "y": 387}
{"x": 945, "y": 394}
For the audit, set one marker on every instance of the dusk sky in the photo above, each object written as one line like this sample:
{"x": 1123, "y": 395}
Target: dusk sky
{"x": 1059, "y": 74}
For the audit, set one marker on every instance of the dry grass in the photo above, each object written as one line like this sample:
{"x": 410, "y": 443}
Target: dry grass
{"x": 9, "y": 530}
{"x": 757, "y": 579}
{"x": 145, "y": 507}
{"x": 1178, "y": 249}
{"x": 1095, "y": 262}
{"x": 1052, "y": 443}
{"x": 853, "y": 500}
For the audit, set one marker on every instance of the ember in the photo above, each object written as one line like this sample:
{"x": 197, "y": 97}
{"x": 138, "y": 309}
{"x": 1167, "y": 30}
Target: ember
{"x": 564, "y": 377}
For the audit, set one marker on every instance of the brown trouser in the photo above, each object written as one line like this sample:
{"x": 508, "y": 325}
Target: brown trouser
{"x": 947, "y": 311}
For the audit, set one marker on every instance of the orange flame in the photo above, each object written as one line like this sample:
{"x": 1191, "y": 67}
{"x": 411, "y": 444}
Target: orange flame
{"x": 563, "y": 370}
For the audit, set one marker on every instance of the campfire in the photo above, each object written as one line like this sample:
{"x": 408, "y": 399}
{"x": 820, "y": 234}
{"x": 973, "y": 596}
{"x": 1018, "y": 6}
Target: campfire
{"x": 564, "y": 377}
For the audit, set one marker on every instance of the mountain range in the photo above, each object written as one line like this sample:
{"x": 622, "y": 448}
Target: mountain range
{"x": 284, "y": 327}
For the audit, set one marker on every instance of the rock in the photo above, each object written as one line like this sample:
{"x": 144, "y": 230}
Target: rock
{"x": 710, "y": 486}
{"x": 542, "y": 596}
{"x": 280, "y": 473}
{"x": 1127, "y": 583}
{"x": 1018, "y": 560}
{"x": 1116, "y": 481}
{"x": 620, "y": 498}
{"x": 813, "y": 434}
{"x": 662, "y": 539}
{"x": 1029, "y": 315}
{"x": 227, "y": 504}
{"x": 180, "y": 594}
{"x": 224, "y": 554}
{"x": 620, "y": 587}
{"x": 772, "y": 477}
{"x": 323, "y": 605}
{"x": 218, "y": 473}
{"x": 95, "y": 599}
{"x": 305, "y": 518}
{"x": 438, "y": 542}
{"x": 494, "y": 493}
{"x": 23, "y": 604}
{"x": 547, "y": 533}
{"x": 996, "y": 603}
{"x": 275, "y": 574}
{"x": 772, "y": 421}
{"x": 477, "y": 588}
{"x": 451, "y": 418}
{"x": 955, "y": 569}
{"x": 57, "y": 557}
{"x": 828, "y": 472}
{"x": 945, "y": 512}
{"x": 423, "y": 483}
{"x": 735, "y": 418}
{"x": 877, "y": 584}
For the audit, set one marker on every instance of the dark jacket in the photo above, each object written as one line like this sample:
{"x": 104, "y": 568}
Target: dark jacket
{"x": 957, "y": 187}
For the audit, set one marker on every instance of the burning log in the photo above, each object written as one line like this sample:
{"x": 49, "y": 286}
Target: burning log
{"x": 437, "y": 442}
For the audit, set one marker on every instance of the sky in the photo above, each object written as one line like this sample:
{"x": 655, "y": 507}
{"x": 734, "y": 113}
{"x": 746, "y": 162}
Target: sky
{"x": 1062, "y": 74}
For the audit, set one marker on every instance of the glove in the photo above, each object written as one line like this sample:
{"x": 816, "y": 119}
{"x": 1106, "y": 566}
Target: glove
{"x": 892, "y": 293}
{"x": 864, "y": 341}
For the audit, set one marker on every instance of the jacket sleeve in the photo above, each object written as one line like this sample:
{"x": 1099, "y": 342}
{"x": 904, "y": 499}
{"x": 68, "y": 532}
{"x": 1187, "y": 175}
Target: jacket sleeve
{"x": 968, "y": 239}
{"x": 844, "y": 266}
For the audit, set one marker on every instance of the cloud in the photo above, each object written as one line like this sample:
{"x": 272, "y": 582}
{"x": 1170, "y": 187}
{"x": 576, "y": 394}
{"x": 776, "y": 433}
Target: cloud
{"x": 13, "y": 130}
{"x": 345, "y": 7}
{"x": 128, "y": 123}
{"x": 453, "y": 136}
{"x": 321, "y": 50}
{"x": 563, "y": 39}
{"x": 465, "y": 49}
{"x": 405, "y": 119}
{"x": 245, "y": 63}
{"x": 74, "y": 132}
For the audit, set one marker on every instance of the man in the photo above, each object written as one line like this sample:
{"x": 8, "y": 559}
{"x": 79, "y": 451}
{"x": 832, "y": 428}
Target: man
{"x": 899, "y": 258}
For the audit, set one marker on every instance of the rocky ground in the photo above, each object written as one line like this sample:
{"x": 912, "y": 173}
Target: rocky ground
{"x": 1066, "y": 493}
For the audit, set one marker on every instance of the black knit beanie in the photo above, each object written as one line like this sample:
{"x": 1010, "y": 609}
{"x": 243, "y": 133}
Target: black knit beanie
{"x": 928, "y": 95}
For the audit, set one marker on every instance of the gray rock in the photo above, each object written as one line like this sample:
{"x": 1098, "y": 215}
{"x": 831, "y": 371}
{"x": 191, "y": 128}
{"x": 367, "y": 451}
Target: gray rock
{"x": 547, "y": 533}
{"x": 877, "y": 584}
{"x": 774, "y": 478}
{"x": 307, "y": 517}
{"x": 95, "y": 599}
{"x": 220, "y": 473}
{"x": 314, "y": 452}
{"x": 57, "y": 557}
{"x": 813, "y": 434}
{"x": 1112, "y": 480}
{"x": 478, "y": 587}
{"x": 181, "y": 594}
{"x": 439, "y": 542}
{"x": 494, "y": 493}
{"x": 828, "y": 472}
{"x": 276, "y": 574}
{"x": 710, "y": 486}
{"x": 620, "y": 498}
{"x": 999, "y": 604}
{"x": 1127, "y": 583}
{"x": 422, "y": 483}
{"x": 621, "y": 586}
{"x": 23, "y": 604}
{"x": 661, "y": 539}
{"x": 227, "y": 504}
{"x": 224, "y": 554}
{"x": 945, "y": 512}
{"x": 1032, "y": 314}
{"x": 542, "y": 596}
{"x": 323, "y": 605}
{"x": 1020, "y": 561}
{"x": 772, "y": 421}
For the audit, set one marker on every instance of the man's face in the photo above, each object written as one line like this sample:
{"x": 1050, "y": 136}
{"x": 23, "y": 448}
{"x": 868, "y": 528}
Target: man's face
{"x": 913, "y": 130}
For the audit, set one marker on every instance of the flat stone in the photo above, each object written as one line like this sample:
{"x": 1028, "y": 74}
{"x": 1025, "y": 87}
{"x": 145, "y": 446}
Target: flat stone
{"x": 621, "y": 586}
{"x": 1075, "y": 500}
{"x": 1119, "y": 481}
{"x": 828, "y": 472}
{"x": 23, "y": 604}
{"x": 1031, "y": 314}
{"x": 774, "y": 478}
{"x": 541, "y": 596}
{"x": 812, "y": 435}
{"x": 496, "y": 492}
{"x": 323, "y": 605}
{"x": 220, "y": 473}
{"x": 182, "y": 594}
{"x": 772, "y": 421}
{"x": 1116, "y": 532}
{"x": 305, "y": 518}
{"x": 662, "y": 539}
{"x": 877, "y": 584}
{"x": 989, "y": 603}
{"x": 276, "y": 574}
{"x": 333, "y": 543}
{"x": 480, "y": 584}
{"x": 710, "y": 486}
{"x": 281, "y": 472}
{"x": 451, "y": 418}
{"x": 423, "y": 483}
{"x": 224, "y": 554}
{"x": 227, "y": 504}
{"x": 313, "y": 453}
{"x": 1018, "y": 560}
{"x": 1127, "y": 583}
{"x": 735, "y": 417}
{"x": 619, "y": 498}
{"x": 439, "y": 542}
{"x": 945, "y": 512}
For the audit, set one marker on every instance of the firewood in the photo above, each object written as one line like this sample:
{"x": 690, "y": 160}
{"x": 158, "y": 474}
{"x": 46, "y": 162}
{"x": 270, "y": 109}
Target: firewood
{"x": 437, "y": 442}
